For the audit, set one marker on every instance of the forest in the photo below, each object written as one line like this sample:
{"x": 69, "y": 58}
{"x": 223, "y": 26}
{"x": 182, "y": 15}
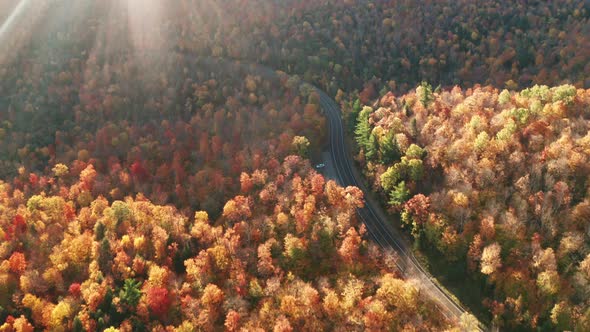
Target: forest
{"x": 442, "y": 161}
{"x": 157, "y": 164}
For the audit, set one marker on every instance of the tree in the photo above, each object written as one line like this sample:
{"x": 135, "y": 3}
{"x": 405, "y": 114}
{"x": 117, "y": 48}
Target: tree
{"x": 17, "y": 263}
{"x": 353, "y": 197}
{"x": 130, "y": 293}
{"x": 317, "y": 184}
{"x": 349, "y": 250}
{"x": 565, "y": 93}
{"x": 236, "y": 208}
{"x": 331, "y": 303}
{"x": 333, "y": 192}
{"x": 158, "y": 300}
{"x": 561, "y": 316}
{"x": 377, "y": 318}
{"x": 414, "y": 152}
{"x": 199, "y": 269}
{"x": 294, "y": 247}
{"x": 356, "y": 106}
{"x": 60, "y": 170}
{"x": 265, "y": 264}
{"x": 61, "y": 313}
{"x": 282, "y": 324}
{"x": 397, "y": 293}
{"x": 121, "y": 211}
{"x": 232, "y": 321}
{"x": 424, "y": 94}
{"x": 390, "y": 178}
{"x": 352, "y": 293}
{"x": 372, "y": 147}
{"x": 212, "y": 296}
{"x": 390, "y": 151}
{"x": 474, "y": 252}
{"x": 246, "y": 183}
{"x": 354, "y": 113}
{"x": 544, "y": 260}
{"x": 301, "y": 146}
{"x": 363, "y": 129}
{"x": 481, "y": 141}
{"x": 504, "y": 97}
{"x": 487, "y": 228}
{"x": 399, "y": 195}
{"x": 548, "y": 282}
{"x": 419, "y": 207}
{"x": 490, "y": 259}
{"x": 105, "y": 255}
{"x": 21, "y": 324}
{"x": 415, "y": 168}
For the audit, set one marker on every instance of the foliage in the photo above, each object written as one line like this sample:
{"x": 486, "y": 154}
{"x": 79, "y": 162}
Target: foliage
{"x": 390, "y": 151}
{"x": 399, "y": 194}
{"x": 424, "y": 94}
{"x": 364, "y": 137}
{"x": 301, "y": 255}
{"x": 131, "y": 292}
{"x": 414, "y": 152}
{"x": 301, "y": 146}
{"x": 565, "y": 93}
{"x": 507, "y": 192}
{"x": 114, "y": 134}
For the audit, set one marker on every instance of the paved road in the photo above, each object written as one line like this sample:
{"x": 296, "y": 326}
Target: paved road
{"x": 376, "y": 221}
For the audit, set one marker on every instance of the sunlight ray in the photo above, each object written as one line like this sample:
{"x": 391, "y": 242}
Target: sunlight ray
{"x": 146, "y": 24}
{"x": 7, "y": 29}
{"x": 10, "y": 21}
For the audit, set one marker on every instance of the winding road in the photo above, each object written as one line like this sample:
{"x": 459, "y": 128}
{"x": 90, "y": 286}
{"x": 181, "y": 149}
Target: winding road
{"x": 378, "y": 224}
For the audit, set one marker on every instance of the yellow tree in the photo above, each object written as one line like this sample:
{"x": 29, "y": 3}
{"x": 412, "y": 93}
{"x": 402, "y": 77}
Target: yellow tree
{"x": 490, "y": 259}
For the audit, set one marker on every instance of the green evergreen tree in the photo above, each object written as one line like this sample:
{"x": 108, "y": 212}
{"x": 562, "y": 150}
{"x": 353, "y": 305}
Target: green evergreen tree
{"x": 390, "y": 151}
{"x": 372, "y": 147}
{"x": 414, "y": 128}
{"x": 399, "y": 195}
{"x": 353, "y": 114}
{"x": 363, "y": 129}
{"x": 131, "y": 292}
{"x": 77, "y": 325}
{"x": 99, "y": 231}
{"x": 105, "y": 257}
{"x": 356, "y": 107}
{"x": 391, "y": 177}
{"x": 424, "y": 92}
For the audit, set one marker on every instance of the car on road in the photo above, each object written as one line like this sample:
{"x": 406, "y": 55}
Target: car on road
{"x": 319, "y": 166}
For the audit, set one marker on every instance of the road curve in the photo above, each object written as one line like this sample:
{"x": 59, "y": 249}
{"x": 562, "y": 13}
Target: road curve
{"x": 376, "y": 221}
{"x": 378, "y": 225}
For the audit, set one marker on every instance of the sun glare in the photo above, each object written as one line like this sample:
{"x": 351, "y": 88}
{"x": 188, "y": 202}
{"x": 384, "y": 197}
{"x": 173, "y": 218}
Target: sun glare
{"x": 8, "y": 30}
{"x": 146, "y": 24}
{"x": 294, "y": 165}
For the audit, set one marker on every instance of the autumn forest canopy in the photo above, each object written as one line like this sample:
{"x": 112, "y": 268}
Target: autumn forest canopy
{"x": 157, "y": 164}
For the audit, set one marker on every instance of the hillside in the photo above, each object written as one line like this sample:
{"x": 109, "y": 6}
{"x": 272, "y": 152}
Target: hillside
{"x": 496, "y": 184}
{"x": 156, "y": 164}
